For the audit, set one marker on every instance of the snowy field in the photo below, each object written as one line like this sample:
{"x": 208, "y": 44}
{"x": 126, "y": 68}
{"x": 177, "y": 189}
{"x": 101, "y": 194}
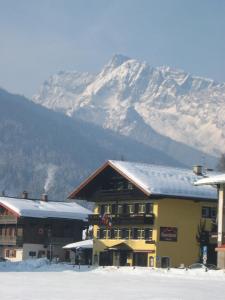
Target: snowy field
{"x": 37, "y": 280}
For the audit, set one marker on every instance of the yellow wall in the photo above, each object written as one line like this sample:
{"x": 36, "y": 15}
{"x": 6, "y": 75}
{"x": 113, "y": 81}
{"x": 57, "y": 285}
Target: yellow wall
{"x": 185, "y": 215}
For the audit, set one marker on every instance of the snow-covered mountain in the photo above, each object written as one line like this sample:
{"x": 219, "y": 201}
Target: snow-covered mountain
{"x": 42, "y": 150}
{"x": 155, "y": 106}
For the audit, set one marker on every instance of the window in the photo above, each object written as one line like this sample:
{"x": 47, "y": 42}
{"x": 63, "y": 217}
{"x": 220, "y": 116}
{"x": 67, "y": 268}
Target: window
{"x": 32, "y": 253}
{"x": 10, "y": 253}
{"x": 149, "y": 208}
{"x": 120, "y": 209}
{"x": 134, "y": 233}
{"x": 125, "y": 233}
{"x": 116, "y": 233}
{"x": 108, "y": 209}
{"x": 213, "y": 213}
{"x": 141, "y": 208}
{"x": 7, "y": 253}
{"x": 102, "y": 209}
{"x": 205, "y": 212}
{"x": 136, "y": 208}
{"x": 125, "y": 209}
{"x": 10, "y": 231}
{"x": 148, "y": 234}
{"x": 113, "y": 209}
{"x": 209, "y": 212}
{"x": 2, "y": 211}
{"x": 119, "y": 234}
{"x": 130, "y": 186}
{"x": 113, "y": 233}
{"x": 131, "y": 208}
{"x": 140, "y": 234}
{"x": 120, "y": 185}
{"x": 41, "y": 253}
{"x": 102, "y": 233}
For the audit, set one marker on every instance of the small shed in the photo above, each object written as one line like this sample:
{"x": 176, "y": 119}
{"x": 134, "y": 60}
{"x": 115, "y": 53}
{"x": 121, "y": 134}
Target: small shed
{"x": 81, "y": 252}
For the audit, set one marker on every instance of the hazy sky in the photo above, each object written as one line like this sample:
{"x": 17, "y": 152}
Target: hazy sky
{"x": 40, "y": 37}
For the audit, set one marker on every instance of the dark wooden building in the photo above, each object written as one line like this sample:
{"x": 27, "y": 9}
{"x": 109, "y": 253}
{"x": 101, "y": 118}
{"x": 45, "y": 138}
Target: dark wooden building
{"x": 35, "y": 228}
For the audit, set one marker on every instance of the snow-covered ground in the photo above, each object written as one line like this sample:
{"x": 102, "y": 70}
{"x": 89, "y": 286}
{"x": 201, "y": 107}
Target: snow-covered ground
{"x": 37, "y": 280}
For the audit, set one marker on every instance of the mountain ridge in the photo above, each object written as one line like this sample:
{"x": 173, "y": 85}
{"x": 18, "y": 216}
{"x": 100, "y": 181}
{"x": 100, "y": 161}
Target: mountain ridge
{"x": 46, "y": 151}
{"x": 176, "y": 105}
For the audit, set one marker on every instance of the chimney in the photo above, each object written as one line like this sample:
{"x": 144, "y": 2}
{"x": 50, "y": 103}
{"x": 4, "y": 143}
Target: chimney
{"x": 44, "y": 197}
{"x": 198, "y": 170}
{"x": 24, "y": 195}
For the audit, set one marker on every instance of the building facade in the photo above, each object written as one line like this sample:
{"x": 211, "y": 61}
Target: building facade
{"x": 35, "y": 229}
{"x": 218, "y": 181}
{"x": 148, "y": 215}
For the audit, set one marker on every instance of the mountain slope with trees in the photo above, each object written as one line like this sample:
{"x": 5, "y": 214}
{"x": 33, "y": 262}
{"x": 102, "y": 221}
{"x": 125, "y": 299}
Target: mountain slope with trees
{"x": 46, "y": 151}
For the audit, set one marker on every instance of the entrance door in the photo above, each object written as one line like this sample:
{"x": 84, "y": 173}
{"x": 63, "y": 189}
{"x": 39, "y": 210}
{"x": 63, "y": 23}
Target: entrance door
{"x": 165, "y": 262}
{"x": 106, "y": 258}
{"x": 151, "y": 261}
{"x": 123, "y": 258}
{"x": 140, "y": 259}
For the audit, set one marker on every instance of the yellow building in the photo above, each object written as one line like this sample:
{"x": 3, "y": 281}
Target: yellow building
{"x": 149, "y": 215}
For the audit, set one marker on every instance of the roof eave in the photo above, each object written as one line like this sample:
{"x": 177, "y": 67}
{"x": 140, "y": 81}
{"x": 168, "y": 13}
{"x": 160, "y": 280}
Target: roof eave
{"x": 193, "y": 198}
{"x": 73, "y": 194}
{"x": 15, "y": 213}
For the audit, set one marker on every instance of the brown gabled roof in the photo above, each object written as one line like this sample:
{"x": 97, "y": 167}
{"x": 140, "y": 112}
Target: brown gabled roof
{"x": 160, "y": 181}
{"x": 109, "y": 163}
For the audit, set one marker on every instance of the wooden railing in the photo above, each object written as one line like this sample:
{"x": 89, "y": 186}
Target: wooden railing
{"x": 6, "y": 219}
{"x": 7, "y": 240}
{"x": 111, "y": 194}
{"x": 128, "y": 219}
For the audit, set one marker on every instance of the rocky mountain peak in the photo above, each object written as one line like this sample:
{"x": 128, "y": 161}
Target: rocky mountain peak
{"x": 172, "y": 102}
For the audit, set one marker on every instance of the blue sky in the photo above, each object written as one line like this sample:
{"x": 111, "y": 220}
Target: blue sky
{"x": 40, "y": 38}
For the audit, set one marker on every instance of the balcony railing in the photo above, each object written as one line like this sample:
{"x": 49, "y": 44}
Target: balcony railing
{"x": 6, "y": 219}
{"x": 123, "y": 219}
{"x": 110, "y": 194}
{"x": 7, "y": 240}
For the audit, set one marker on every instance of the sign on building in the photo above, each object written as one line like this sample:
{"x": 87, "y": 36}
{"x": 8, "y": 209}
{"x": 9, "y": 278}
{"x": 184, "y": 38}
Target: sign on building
{"x": 168, "y": 234}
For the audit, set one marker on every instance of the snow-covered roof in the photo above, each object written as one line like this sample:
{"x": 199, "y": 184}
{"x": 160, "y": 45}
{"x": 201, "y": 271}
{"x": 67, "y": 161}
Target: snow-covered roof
{"x": 163, "y": 180}
{"x": 86, "y": 244}
{"x": 217, "y": 179}
{"x": 42, "y": 209}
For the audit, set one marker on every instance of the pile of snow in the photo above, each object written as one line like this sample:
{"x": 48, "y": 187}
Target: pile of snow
{"x": 24, "y": 266}
{"x": 44, "y": 265}
{"x": 86, "y": 244}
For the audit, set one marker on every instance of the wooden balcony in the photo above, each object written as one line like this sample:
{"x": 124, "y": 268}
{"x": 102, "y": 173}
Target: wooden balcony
{"x": 6, "y": 219}
{"x": 8, "y": 240}
{"x": 128, "y": 219}
{"x": 123, "y": 194}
